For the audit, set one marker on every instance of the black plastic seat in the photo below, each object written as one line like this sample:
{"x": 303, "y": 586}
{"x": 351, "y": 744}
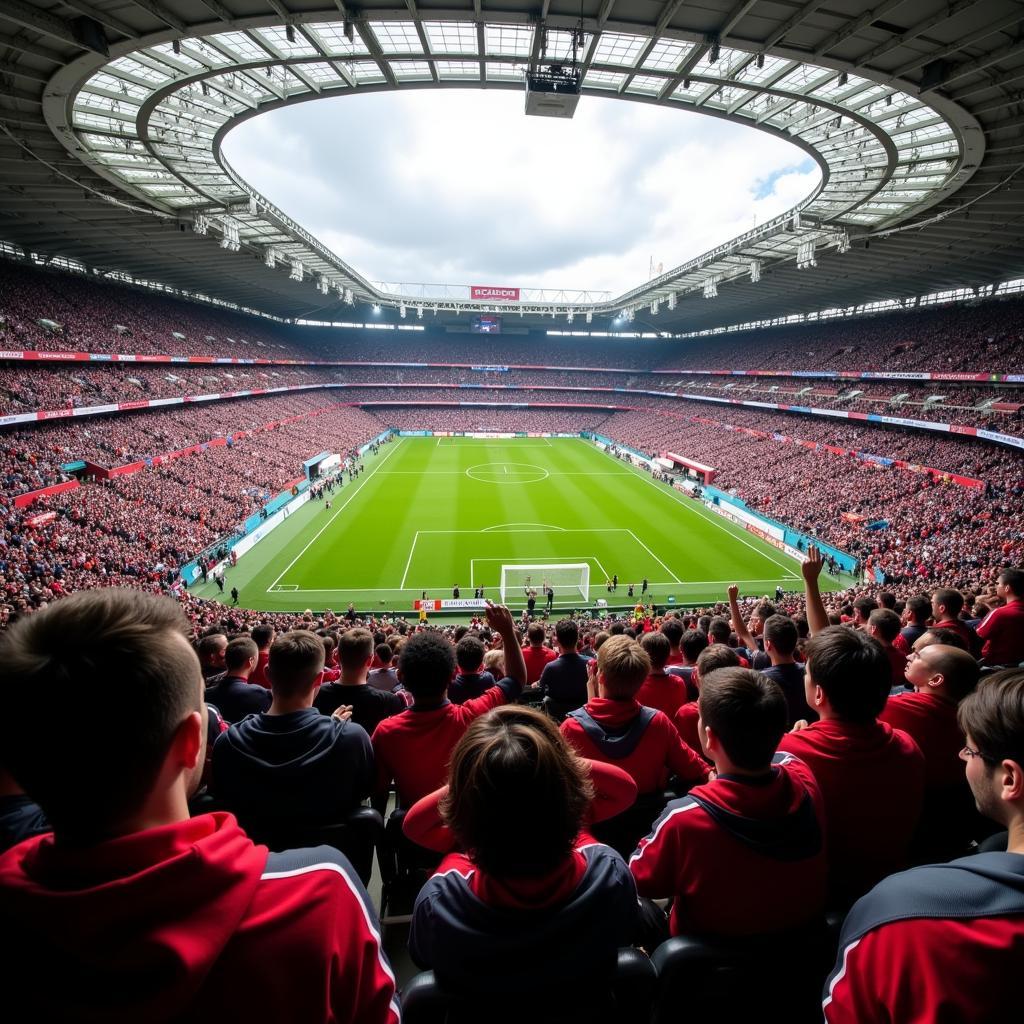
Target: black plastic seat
{"x": 626, "y": 999}
{"x": 763, "y": 978}
{"x": 357, "y": 836}
{"x": 404, "y": 867}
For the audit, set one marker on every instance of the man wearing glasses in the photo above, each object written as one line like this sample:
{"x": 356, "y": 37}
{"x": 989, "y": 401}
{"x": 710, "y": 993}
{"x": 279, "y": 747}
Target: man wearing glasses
{"x": 946, "y": 941}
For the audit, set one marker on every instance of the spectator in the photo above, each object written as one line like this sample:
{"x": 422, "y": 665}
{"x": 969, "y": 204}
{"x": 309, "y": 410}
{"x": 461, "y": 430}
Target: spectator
{"x": 946, "y": 608}
{"x": 384, "y": 678}
{"x": 413, "y": 748}
{"x": 517, "y": 801}
{"x": 943, "y": 942}
{"x": 780, "y": 642}
{"x": 855, "y": 758}
{"x": 743, "y": 854}
{"x": 232, "y": 694}
{"x": 212, "y": 649}
{"x": 915, "y": 617}
{"x": 564, "y": 680}
{"x": 672, "y": 630}
{"x": 1002, "y": 630}
{"x": 660, "y": 690}
{"x": 536, "y": 654}
{"x": 262, "y": 637}
{"x": 469, "y": 680}
{"x": 369, "y": 705}
{"x": 709, "y": 660}
{"x": 157, "y": 915}
{"x": 884, "y": 625}
{"x": 292, "y": 766}
{"x": 612, "y": 727}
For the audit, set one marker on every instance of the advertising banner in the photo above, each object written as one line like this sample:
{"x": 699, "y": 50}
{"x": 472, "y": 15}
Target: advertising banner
{"x": 492, "y": 293}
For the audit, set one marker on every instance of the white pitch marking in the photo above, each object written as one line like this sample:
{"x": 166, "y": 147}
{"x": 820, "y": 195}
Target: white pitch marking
{"x": 408, "y": 562}
{"x": 341, "y": 508}
{"x": 654, "y": 556}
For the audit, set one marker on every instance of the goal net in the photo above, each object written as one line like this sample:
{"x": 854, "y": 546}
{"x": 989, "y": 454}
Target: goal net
{"x": 565, "y": 579}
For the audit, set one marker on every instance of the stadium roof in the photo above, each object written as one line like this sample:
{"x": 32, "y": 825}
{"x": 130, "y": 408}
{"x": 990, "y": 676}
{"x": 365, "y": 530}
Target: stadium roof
{"x": 112, "y": 113}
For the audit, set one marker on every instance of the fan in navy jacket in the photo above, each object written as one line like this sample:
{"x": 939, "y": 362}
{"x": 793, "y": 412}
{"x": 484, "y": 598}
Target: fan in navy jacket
{"x": 564, "y": 680}
{"x": 293, "y": 765}
{"x": 535, "y": 881}
{"x": 233, "y": 695}
{"x": 157, "y": 916}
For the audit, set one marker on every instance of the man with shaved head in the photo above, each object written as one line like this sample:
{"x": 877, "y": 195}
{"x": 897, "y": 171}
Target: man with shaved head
{"x": 941, "y": 676}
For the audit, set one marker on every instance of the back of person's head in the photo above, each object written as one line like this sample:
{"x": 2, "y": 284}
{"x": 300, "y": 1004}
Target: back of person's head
{"x": 720, "y": 632}
{"x": 384, "y": 654}
{"x": 886, "y": 623}
{"x": 211, "y": 647}
{"x": 764, "y": 610}
{"x": 517, "y": 795}
{"x": 658, "y": 649}
{"x": 426, "y": 664}
{"x": 296, "y": 661}
{"x": 704, "y": 624}
{"x": 959, "y": 671}
{"x": 694, "y": 641}
{"x": 1014, "y": 580}
{"x": 329, "y": 640}
{"x": 747, "y": 712}
{"x": 460, "y": 632}
{"x": 673, "y": 630}
{"x": 241, "y": 651}
{"x": 96, "y": 689}
{"x": 617, "y": 628}
{"x": 600, "y": 638}
{"x": 992, "y": 718}
{"x": 714, "y": 657}
{"x": 940, "y": 635}
{"x": 355, "y": 649}
{"x": 568, "y": 633}
{"x": 852, "y": 670}
{"x": 950, "y": 601}
{"x": 262, "y": 636}
{"x": 919, "y": 608}
{"x": 887, "y": 599}
{"x": 469, "y": 654}
{"x": 864, "y": 606}
{"x": 780, "y": 631}
{"x": 623, "y": 666}
{"x": 535, "y": 634}
{"x": 494, "y": 662}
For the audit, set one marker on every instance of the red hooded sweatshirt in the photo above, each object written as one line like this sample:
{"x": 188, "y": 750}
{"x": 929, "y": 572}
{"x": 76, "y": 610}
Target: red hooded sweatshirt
{"x": 190, "y": 921}
{"x": 872, "y": 785}
{"x": 639, "y": 740}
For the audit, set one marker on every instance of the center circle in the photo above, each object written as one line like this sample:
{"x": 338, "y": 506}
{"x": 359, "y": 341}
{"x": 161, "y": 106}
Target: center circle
{"x": 507, "y": 473}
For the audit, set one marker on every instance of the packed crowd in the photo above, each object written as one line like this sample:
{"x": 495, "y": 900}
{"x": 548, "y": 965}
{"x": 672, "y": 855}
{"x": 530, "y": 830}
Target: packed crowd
{"x": 741, "y": 757}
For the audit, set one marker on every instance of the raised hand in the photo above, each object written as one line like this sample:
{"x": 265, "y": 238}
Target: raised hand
{"x": 812, "y": 565}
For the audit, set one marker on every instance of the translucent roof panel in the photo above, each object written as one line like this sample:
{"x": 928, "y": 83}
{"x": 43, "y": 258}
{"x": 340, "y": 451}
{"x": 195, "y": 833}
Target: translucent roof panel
{"x": 448, "y": 69}
{"x": 239, "y": 43}
{"x": 278, "y": 39}
{"x": 771, "y": 67}
{"x": 501, "y": 72}
{"x": 560, "y": 45}
{"x": 165, "y": 52}
{"x": 405, "y": 70}
{"x": 331, "y": 36}
{"x": 617, "y": 48}
{"x": 365, "y": 71}
{"x": 604, "y": 79}
{"x": 647, "y": 84}
{"x": 320, "y": 72}
{"x": 451, "y": 36}
{"x": 397, "y": 36}
{"x": 138, "y": 70}
{"x": 667, "y": 55}
{"x": 508, "y": 40}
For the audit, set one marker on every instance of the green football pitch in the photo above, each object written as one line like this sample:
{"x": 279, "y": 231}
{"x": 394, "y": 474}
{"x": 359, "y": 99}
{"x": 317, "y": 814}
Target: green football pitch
{"x": 433, "y": 512}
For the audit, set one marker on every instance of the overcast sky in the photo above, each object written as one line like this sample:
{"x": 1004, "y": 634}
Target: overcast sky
{"x": 460, "y": 187}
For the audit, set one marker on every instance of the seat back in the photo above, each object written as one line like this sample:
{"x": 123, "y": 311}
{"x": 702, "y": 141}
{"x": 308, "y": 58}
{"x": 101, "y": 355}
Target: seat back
{"x": 767, "y": 978}
{"x": 625, "y": 1000}
{"x": 624, "y": 832}
{"x": 357, "y": 836}
{"x": 404, "y": 867}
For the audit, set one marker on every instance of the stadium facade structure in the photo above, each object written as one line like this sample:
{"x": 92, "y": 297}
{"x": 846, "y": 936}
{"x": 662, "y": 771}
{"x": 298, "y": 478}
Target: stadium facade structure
{"x": 113, "y": 112}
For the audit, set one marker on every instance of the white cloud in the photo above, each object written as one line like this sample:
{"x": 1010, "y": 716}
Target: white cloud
{"x": 461, "y": 187}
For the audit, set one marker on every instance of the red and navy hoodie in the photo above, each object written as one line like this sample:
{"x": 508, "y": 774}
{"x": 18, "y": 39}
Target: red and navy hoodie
{"x": 640, "y": 740}
{"x": 473, "y": 929}
{"x": 190, "y": 921}
{"x": 943, "y": 942}
{"x": 740, "y": 855}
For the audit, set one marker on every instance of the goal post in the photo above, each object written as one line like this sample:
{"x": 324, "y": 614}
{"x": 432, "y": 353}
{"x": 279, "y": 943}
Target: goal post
{"x": 564, "y": 578}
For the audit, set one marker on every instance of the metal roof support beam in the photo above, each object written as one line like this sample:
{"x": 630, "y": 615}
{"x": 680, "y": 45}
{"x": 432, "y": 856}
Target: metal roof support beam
{"x": 161, "y": 12}
{"x": 49, "y": 25}
{"x": 102, "y": 17}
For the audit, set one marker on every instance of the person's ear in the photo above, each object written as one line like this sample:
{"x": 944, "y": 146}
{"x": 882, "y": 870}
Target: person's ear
{"x": 188, "y": 741}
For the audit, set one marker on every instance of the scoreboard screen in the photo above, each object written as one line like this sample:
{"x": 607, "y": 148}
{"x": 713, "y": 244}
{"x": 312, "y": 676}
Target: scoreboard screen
{"x": 487, "y": 324}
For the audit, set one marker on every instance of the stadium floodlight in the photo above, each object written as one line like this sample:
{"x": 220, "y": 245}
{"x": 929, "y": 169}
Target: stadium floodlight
{"x": 200, "y": 224}
{"x": 350, "y": 299}
{"x": 844, "y": 78}
{"x": 654, "y": 307}
{"x": 229, "y": 239}
{"x": 322, "y": 285}
{"x": 435, "y": 309}
{"x": 671, "y": 303}
{"x": 565, "y": 579}
{"x": 297, "y": 271}
{"x": 270, "y": 257}
{"x": 755, "y": 271}
{"x": 376, "y": 308}
{"x": 842, "y": 241}
{"x": 569, "y": 316}
{"x": 711, "y": 287}
{"x": 289, "y": 33}
{"x": 590, "y": 316}
{"x": 401, "y": 310}
{"x": 419, "y": 312}
{"x": 714, "y": 51}
{"x": 760, "y": 61}
{"x": 805, "y": 255}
